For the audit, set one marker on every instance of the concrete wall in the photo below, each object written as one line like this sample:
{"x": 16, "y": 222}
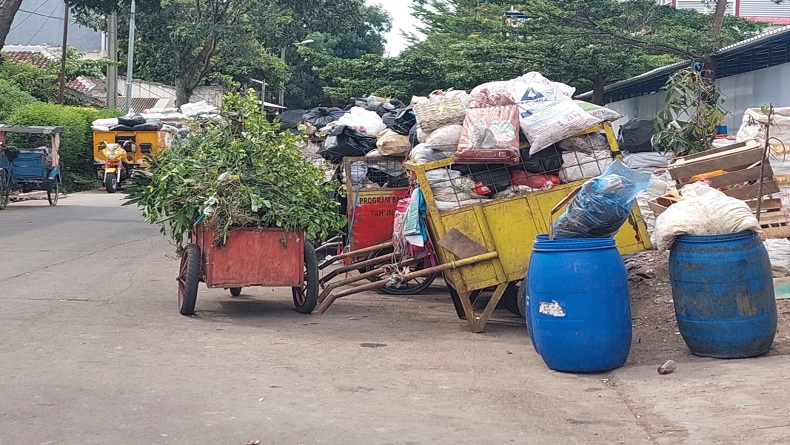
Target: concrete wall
{"x": 748, "y": 90}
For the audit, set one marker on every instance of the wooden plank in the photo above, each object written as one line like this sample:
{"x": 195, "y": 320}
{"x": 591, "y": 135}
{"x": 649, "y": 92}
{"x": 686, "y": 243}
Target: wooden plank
{"x": 777, "y": 232}
{"x": 460, "y": 245}
{"x": 713, "y": 153}
{"x": 768, "y": 204}
{"x": 732, "y": 161}
{"x": 751, "y": 191}
{"x": 771, "y": 218}
{"x": 736, "y": 177}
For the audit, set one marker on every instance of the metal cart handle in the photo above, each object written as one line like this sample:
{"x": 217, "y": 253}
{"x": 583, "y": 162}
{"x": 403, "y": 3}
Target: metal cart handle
{"x": 557, "y": 207}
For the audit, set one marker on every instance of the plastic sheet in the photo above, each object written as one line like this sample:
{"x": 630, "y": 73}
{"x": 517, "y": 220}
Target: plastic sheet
{"x": 603, "y": 204}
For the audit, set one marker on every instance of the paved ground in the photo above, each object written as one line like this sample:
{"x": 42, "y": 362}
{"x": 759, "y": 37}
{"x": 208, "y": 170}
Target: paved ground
{"x": 93, "y": 351}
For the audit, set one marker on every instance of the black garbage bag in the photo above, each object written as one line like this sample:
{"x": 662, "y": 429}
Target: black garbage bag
{"x": 345, "y": 141}
{"x": 636, "y": 136}
{"x": 320, "y": 117}
{"x": 290, "y": 119}
{"x": 399, "y": 181}
{"x": 388, "y": 106}
{"x": 496, "y": 177}
{"x": 356, "y": 102}
{"x": 400, "y": 120}
{"x": 131, "y": 120}
{"x": 548, "y": 161}
{"x": 120, "y": 127}
{"x": 149, "y": 125}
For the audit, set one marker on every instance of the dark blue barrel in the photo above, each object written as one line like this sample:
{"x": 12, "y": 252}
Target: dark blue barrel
{"x": 579, "y": 309}
{"x": 724, "y": 295}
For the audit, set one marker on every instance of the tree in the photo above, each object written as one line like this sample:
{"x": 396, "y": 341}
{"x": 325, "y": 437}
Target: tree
{"x": 585, "y": 43}
{"x": 8, "y": 10}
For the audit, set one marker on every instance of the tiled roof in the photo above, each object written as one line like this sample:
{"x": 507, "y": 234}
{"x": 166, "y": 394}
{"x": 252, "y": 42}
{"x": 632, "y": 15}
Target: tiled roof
{"x": 41, "y": 58}
{"x": 138, "y": 103}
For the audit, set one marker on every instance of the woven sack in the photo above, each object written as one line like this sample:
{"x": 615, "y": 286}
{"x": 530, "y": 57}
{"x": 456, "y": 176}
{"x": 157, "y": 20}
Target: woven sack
{"x": 431, "y": 116}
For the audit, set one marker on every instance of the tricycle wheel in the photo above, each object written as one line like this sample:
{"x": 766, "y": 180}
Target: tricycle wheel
{"x": 52, "y": 195}
{"x": 306, "y": 296}
{"x": 188, "y": 279}
{"x": 5, "y": 188}
{"x": 411, "y": 287}
{"x": 510, "y": 299}
{"x": 235, "y": 291}
{"x": 110, "y": 183}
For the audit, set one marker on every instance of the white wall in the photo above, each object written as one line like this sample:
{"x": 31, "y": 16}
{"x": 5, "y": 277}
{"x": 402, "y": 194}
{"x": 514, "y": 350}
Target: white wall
{"x": 748, "y": 90}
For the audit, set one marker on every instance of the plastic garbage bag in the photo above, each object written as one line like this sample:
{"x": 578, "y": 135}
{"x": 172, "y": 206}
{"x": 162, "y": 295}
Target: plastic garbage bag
{"x": 603, "y": 203}
{"x": 345, "y": 141}
{"x": 363, "y": 120}
{"x": 400, "y": 120}
{"x": 702, "y": 210}
{"x": 320, "y": 117}
{"x": 490, "y": 135}
{"x": 422, "y": 154}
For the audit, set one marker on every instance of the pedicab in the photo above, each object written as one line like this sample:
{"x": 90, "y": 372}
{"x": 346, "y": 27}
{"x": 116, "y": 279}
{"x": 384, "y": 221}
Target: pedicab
{"x": 28, "y": 169}
{"x": 487, "y": 243}
{"x": 377, "y": 185}
{"x": 250, "y": 257}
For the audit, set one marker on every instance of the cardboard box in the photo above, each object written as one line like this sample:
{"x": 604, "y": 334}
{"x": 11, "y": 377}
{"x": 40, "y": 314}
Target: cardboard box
{"x": 658, "y": 205}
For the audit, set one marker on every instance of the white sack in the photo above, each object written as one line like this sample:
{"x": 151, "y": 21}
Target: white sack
{"x": 444, "y": 138}
{"x": 577, "y": 165}
{"x": 363, "y": 120}
{"x": 780, "y": 128}
{"x": 702, "y": 210}
{"x": 105, "y": 122}
{"x": 422, "y": 154}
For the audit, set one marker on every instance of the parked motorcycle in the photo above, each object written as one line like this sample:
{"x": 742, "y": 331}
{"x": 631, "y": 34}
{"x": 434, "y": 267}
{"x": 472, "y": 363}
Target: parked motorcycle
{"x": 116, "y": 169}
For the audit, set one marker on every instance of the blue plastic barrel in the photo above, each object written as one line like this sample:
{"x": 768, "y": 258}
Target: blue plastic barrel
{"x": 724, "y": 296}
{"x": 579, "y": 311}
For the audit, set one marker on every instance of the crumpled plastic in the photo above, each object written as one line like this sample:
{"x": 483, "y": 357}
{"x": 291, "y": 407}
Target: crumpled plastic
{"x": 603, "y": 203}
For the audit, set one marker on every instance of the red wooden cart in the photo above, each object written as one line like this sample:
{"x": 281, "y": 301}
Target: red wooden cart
{"x": 250, "y": 257}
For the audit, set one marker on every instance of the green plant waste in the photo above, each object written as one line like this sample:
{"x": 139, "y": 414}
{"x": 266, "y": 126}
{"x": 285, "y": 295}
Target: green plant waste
{"x": 238, "y": 171}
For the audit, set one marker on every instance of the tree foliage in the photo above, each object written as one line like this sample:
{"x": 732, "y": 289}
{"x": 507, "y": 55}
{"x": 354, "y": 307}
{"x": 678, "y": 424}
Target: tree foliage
{"x": 585, "y": 43}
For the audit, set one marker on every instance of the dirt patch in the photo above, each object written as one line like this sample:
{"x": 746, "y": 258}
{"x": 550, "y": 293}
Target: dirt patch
{"x": 656, "y": 337}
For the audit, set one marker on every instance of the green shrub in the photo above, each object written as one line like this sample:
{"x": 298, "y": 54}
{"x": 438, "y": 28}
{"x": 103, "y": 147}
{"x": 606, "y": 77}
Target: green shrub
{"x": 76, "y": 152}
{"x": 11, "y": 98}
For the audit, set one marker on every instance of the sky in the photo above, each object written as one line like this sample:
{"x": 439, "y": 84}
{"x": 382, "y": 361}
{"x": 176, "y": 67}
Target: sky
{"x": 400, "y": 11}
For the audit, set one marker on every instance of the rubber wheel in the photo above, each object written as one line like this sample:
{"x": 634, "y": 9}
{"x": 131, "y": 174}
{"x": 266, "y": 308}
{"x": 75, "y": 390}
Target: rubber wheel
{"x": 5, "y": 188}
{"x": 235, "y": 291}
{"x": 522, "y": 299}
{"x": 110, "y": 183}
{"x": 509, "y": 298}
{"x": 306, "y": 296}
{"x": 188, "y": 279}
{"x": 52, "y": 195}
{"x": 411, "y": 287}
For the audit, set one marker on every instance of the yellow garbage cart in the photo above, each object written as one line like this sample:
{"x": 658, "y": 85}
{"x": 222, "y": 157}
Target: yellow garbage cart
{"x": 488, "y": 243}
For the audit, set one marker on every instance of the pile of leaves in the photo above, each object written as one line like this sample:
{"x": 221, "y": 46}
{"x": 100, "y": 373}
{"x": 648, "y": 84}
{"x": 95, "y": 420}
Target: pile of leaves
{"x": 238, "y": 171}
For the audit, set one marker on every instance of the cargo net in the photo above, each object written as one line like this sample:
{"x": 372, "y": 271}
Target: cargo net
{"x": 460, "y": 184}
{"x": 374, "y": 172}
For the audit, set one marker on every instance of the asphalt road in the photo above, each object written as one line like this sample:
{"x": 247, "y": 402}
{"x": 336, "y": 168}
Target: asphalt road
{"x": 93, "y": 351}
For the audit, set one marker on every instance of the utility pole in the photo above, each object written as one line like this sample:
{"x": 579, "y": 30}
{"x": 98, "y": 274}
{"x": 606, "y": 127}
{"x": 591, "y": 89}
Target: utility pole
{"x": 62, "y": 86}
{"x": 282, "y": 84}
{"x": 112, "y": 69}
{"x": 130, "y": 61}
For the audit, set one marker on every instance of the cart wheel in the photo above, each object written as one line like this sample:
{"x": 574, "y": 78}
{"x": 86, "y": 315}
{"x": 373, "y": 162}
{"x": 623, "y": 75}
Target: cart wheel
{"x": 52, "y": 195}
{"x": 235, "y": 291}
{"x": 188, "y": 279}
{"x": 411, "y": 287}
{"x": 306, "y": 296}
{"x": 509, "y": 299}
{"x": 111, "y": 183}
{"x": 5, "y": 188}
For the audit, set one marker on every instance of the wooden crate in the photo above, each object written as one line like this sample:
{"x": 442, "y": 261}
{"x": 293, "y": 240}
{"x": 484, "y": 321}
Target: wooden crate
{"x": 736, "y": 170}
